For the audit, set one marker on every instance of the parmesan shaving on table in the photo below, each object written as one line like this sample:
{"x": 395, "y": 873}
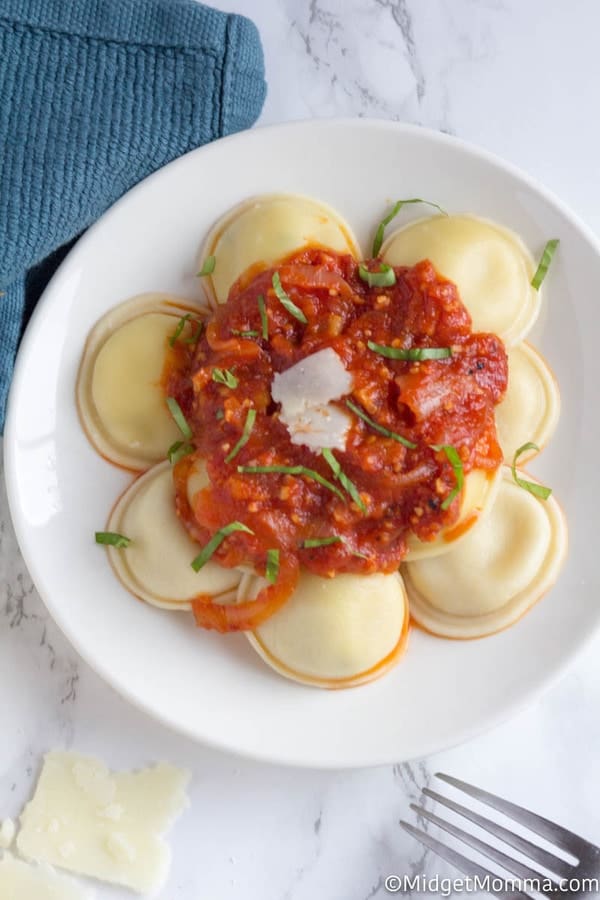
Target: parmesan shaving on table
{"x": 21, "y": 881}
{"x": 102, "y": 824}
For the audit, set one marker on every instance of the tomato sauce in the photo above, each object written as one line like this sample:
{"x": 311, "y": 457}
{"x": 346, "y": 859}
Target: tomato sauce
{"x": 447, "y": 401}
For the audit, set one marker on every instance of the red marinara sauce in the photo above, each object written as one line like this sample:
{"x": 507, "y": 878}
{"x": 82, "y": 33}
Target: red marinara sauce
{"x": 447, "y": 401}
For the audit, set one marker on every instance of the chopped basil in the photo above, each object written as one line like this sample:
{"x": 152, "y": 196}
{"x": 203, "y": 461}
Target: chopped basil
{"x": 215, "y": 542}
{"x": 264, "y": 321}
{"x": 538, "y": 490}
{"x": 380, "y": 428}
{"x": 112, "y": 539}
{"x": 455, "y": 461}
{"x": 180, "y": 326}
{"x": 343, "y": 479}
{"x": 386, "y": 276}
{"x": 378, "y": 241}
{"x": 414, "y": 353}
{"x": 178, "y": 450}
{"x": 285, "y": 301}
{"x": 272, "y": 570}
{"x": 196, "y": 334}
{"x": 292, "y": 470}
{"x": 328, "y": 541}
{"x": 220, "y": 413}
{"x": 322, "y": 542}
{"x": 542, "y": 269}
{"x": 248, "y": 426}
{"x": 244, "y": 334}
{"x": 208, "y": 266}
{"x": 359, "y": 554}
{"x": 179, "y": 418}
{"x": 226, "y": 377}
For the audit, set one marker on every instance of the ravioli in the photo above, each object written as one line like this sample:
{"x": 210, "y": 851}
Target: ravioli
{"x": 119, "y": 392}
{"x": 263, "y": 230}
{"x": 531, "y": 406}
{"x": 156, "y": 566}
{"x": 478, "y": 496}
{"x": 334, "y": 632}
{"x": 497, "y": 573}
{"x": 489, "y": 264}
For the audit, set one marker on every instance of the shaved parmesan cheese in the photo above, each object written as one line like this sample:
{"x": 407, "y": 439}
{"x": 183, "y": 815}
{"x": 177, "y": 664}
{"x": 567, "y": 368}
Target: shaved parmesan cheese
{"x": 103, "y": 824}
{"x": 305, "y": 391}
{"x": 21, "y": 881}
{"x": 313, "y": 381}
{"x": 320, "y": 426}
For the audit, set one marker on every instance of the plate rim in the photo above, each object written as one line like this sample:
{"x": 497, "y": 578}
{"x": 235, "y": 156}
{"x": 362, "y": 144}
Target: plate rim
{"x": 535, "y": 690}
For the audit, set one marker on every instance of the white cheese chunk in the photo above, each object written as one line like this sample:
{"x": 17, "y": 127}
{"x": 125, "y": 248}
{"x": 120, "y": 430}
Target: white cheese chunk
{"x": 313, "y": 381}
{"x": 21, "y": 881}
{"x": 319, "y": 426}
{"x": 103, "y": 824}
{"x": 305, "y": 392}
{"x": 7, "y": 833}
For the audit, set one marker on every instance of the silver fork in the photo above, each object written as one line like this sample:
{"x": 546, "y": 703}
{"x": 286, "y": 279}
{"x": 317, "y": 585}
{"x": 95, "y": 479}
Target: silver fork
{"x": 574, "y": 879}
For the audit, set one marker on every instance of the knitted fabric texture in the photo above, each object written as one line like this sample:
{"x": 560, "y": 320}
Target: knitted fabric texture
{"x": 94, "y": 96}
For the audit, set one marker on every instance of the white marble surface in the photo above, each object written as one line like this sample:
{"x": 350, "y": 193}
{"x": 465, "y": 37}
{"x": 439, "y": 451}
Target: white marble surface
{"x": 518, "y": 78}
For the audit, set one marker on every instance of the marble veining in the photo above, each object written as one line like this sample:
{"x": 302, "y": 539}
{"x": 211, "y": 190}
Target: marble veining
{"x": 402, "y": 17}
{"x": 519, "y": 79}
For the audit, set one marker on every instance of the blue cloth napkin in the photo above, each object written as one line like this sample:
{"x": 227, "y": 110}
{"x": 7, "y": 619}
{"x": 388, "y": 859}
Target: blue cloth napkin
{"x": 94, "y": 96}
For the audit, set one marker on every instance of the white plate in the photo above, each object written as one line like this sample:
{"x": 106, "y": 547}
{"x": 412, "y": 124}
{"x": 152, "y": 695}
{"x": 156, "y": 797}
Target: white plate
{"x": 215, "y": 688}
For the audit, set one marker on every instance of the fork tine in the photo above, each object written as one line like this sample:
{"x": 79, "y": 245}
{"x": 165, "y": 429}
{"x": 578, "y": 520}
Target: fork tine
{"x": 545, "y": 859}
{"x": 463, "y": 864}
{"x": 554, "y": 833}
{"x": 507, "y": 862}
